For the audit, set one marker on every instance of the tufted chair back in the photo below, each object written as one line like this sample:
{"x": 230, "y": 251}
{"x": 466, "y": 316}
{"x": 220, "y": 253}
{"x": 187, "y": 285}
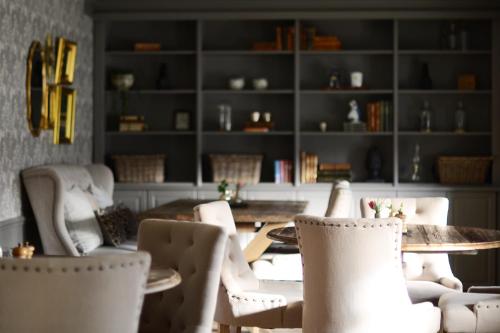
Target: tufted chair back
{"x": 236, "y": 273}
{"x": 340, "y": 202}
{"x": 433, "y": 210}
{"x": 353, "y": 279}
{"x": 80, "y": 294}
{"x": 196, "y": 251}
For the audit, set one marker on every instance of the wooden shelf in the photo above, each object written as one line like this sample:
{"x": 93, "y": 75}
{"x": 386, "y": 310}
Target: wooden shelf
{"x": 441, "y": 133}
{"x": 150, "y": 53}
{"x": 445, "y": 52}
{"x": 243, "y": 133}
{"x": 156, "y": 91}
{"x": 347, "y": 91}
{"x": 245, "y": 53}
{"x": 443, "y": 92}
{"x": 339, "y": 133}
{"x": 249, "y": 91}
{"x": 149, "y": 133}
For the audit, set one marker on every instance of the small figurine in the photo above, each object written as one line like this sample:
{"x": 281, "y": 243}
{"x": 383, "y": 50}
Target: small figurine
{"x": 334, "y": 80}
{"x": 353, "y": 115}
{"x": 23, "y": 252}
{"x": 374, "y": 165}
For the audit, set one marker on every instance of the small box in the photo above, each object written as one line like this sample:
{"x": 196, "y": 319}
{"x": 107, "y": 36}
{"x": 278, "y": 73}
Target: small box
{"x": 145, "y": 47}
{"x": 355, "y": 127}
{"x": 466, "y": 82}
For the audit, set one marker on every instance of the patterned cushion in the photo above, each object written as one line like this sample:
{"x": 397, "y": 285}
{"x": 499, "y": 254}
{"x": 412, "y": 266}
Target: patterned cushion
{"x": 117, "y": 223}
{"x": 81, "y": 223}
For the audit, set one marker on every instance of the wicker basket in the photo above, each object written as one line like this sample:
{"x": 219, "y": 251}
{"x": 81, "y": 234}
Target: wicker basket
{"x": 463, "y": 169}
{"x": 140, "y": 168}
{"x": 236, "y": 168}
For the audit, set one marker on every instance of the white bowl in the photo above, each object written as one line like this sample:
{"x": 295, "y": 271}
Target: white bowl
{"x": 237, "y": 83}
{"x": 122, "y": 81}
{"x": 260, "y": 83}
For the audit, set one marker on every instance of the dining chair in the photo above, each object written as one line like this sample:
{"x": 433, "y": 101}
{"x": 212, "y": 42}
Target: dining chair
{"x": 340, "y": 201}
{"x": 353, "y": 278}
{"x": 428, "y": 276}
{"x": 196, "y": 251}
{"x": 244, "y": 300}
{"x": 73, "y": 294}
{"x": 471, "y": 312}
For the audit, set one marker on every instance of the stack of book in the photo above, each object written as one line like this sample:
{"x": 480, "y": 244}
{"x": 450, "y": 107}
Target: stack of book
{"x": 378, "y": 116}
{"x": 308, "y": 168}
{"x": 132, "y": 123}
{"x": 331, "y": 172}
{"x": 283, "y": 171}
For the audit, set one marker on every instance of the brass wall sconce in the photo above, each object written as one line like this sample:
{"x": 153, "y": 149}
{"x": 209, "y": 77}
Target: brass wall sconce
{"x": 50, "y": 104}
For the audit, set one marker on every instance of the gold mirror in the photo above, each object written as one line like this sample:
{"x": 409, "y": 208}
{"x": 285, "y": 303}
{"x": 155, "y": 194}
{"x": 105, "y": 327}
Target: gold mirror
{"x": 65, "y": 61}
{"x": 64, "y": 99}
{"x": 36, "y": 90}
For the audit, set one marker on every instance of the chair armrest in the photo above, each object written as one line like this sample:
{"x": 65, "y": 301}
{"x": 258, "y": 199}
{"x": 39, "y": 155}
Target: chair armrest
{"x": 484, "y": 289}
{"x": 488, "y": 315}
{"x": 451, "y": 282}
{"x": 247, "y": 302}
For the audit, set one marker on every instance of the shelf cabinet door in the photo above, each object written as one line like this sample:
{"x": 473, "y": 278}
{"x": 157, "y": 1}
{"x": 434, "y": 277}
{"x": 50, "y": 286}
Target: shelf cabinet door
{"x": 135, "y": 200}
{"x": 473, "y": 209}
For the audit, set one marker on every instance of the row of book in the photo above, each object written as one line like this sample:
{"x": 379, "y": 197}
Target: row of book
{"x": 378, "y": 116}
{"x": 331, "y": 172}
{"x": 283, "y": 171}
{"x": 308, "y": 168}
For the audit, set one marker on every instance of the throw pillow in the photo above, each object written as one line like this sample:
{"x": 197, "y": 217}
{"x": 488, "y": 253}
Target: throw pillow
{"x": 81, "y": 223}
{"x": 113, "y": 225}
{"x": 102, "y": 197}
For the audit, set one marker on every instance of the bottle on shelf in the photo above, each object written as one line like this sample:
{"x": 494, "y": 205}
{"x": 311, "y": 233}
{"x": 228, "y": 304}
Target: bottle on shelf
{"x": 225, "y": 117}
{"x": 415, "y": 164}
{"x": 464, "y": 38}
{"x": 452, "y": 37}
{"x": 162, "y": 81}
{"x": 425, "y": 117}
{"x": 425, "y": 77}
{"x": 460, "y": 118}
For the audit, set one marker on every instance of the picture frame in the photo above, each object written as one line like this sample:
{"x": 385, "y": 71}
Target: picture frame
{"x": 65, "y": 114}
{"x": 65, "y": 61}
{"x": 182, "y": 120}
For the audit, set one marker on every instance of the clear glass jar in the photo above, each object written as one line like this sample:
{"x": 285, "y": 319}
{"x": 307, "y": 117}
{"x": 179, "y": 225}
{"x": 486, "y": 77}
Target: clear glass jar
{"x": 425, "y": 118}
{"x": 460, "y": 118}
{"x": 225, "y": 122}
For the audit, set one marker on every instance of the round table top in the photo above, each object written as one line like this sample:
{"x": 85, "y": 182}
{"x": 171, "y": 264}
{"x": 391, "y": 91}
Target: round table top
{"x": 425, "y": 238}
{"x": 160, "y": 279}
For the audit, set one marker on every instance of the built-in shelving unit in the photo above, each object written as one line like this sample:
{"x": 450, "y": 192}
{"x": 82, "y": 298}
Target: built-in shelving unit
{"x": 202, "y": 54}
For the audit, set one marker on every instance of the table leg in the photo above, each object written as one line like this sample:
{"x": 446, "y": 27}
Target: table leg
{"x": 260, "y": 243}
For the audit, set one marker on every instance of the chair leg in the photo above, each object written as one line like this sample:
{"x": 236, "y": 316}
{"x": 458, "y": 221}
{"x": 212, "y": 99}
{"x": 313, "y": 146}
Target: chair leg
{"x": 224, "y": 328}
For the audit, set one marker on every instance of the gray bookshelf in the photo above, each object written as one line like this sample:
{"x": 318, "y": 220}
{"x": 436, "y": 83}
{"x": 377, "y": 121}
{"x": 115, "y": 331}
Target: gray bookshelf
{"x": 202, "y": 53}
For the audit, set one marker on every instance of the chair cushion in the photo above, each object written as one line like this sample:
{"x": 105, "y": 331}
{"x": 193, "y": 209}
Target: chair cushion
{"x": 125, "y": 247}
{"x": 426, "y": 291}
{"x": 102, "y": 197}
{"x": 470, "y": 312}
{"x": 271, "y": 266}
{"x": 113, "y": 225}
{"x": 81, "y": 223}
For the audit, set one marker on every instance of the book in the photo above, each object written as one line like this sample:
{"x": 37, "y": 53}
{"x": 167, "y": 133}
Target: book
{"x": 334, "y": 166}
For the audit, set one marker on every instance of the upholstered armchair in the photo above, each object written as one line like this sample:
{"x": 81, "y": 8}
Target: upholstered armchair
{"x": 428, "y": 275}
{"x": 79, "y": 295}
{"x": 471, "y": 312}
{"x": 243, "y": 300}
{"x": 353, "y": 279}
{"x": 48, "y": 189}
{"x": 340, "y": 201}
{"x": 196, "y": 251}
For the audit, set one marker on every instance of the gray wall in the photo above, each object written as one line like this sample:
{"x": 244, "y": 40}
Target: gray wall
{"x": 22, "y": 21}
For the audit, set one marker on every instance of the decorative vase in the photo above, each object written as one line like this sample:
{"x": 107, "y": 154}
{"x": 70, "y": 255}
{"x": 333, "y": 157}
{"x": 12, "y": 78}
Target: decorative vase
{"x": 377, "y": 215}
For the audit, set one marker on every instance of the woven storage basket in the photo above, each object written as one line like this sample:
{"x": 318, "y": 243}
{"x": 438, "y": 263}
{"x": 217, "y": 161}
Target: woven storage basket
{"x": 236, "y": 168}
{"x": 463, "y": 169}
{"x": 140, "y": 168}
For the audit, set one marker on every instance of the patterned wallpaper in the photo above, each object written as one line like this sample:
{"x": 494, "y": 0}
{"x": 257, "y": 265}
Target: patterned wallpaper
{"x": 22, "y": 21}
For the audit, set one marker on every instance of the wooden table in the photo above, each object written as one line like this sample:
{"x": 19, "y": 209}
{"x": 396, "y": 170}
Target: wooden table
{"x": 160, "y": 279}
{"x": 426, "y": 238}
{"x": 275, "y": 214}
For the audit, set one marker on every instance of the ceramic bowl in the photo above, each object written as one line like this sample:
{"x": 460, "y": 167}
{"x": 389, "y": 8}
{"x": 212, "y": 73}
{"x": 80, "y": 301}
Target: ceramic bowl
{"x": 122, "y": 81}
{"x": 260, "y": 83}
{"x": 237, "y": 83}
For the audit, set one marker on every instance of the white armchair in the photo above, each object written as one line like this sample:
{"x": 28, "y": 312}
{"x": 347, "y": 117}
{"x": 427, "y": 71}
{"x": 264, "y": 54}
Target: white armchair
{"x": 428, "y": 276}
{"x": 353, "y": 279}
{"x": 243, "y": 300}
